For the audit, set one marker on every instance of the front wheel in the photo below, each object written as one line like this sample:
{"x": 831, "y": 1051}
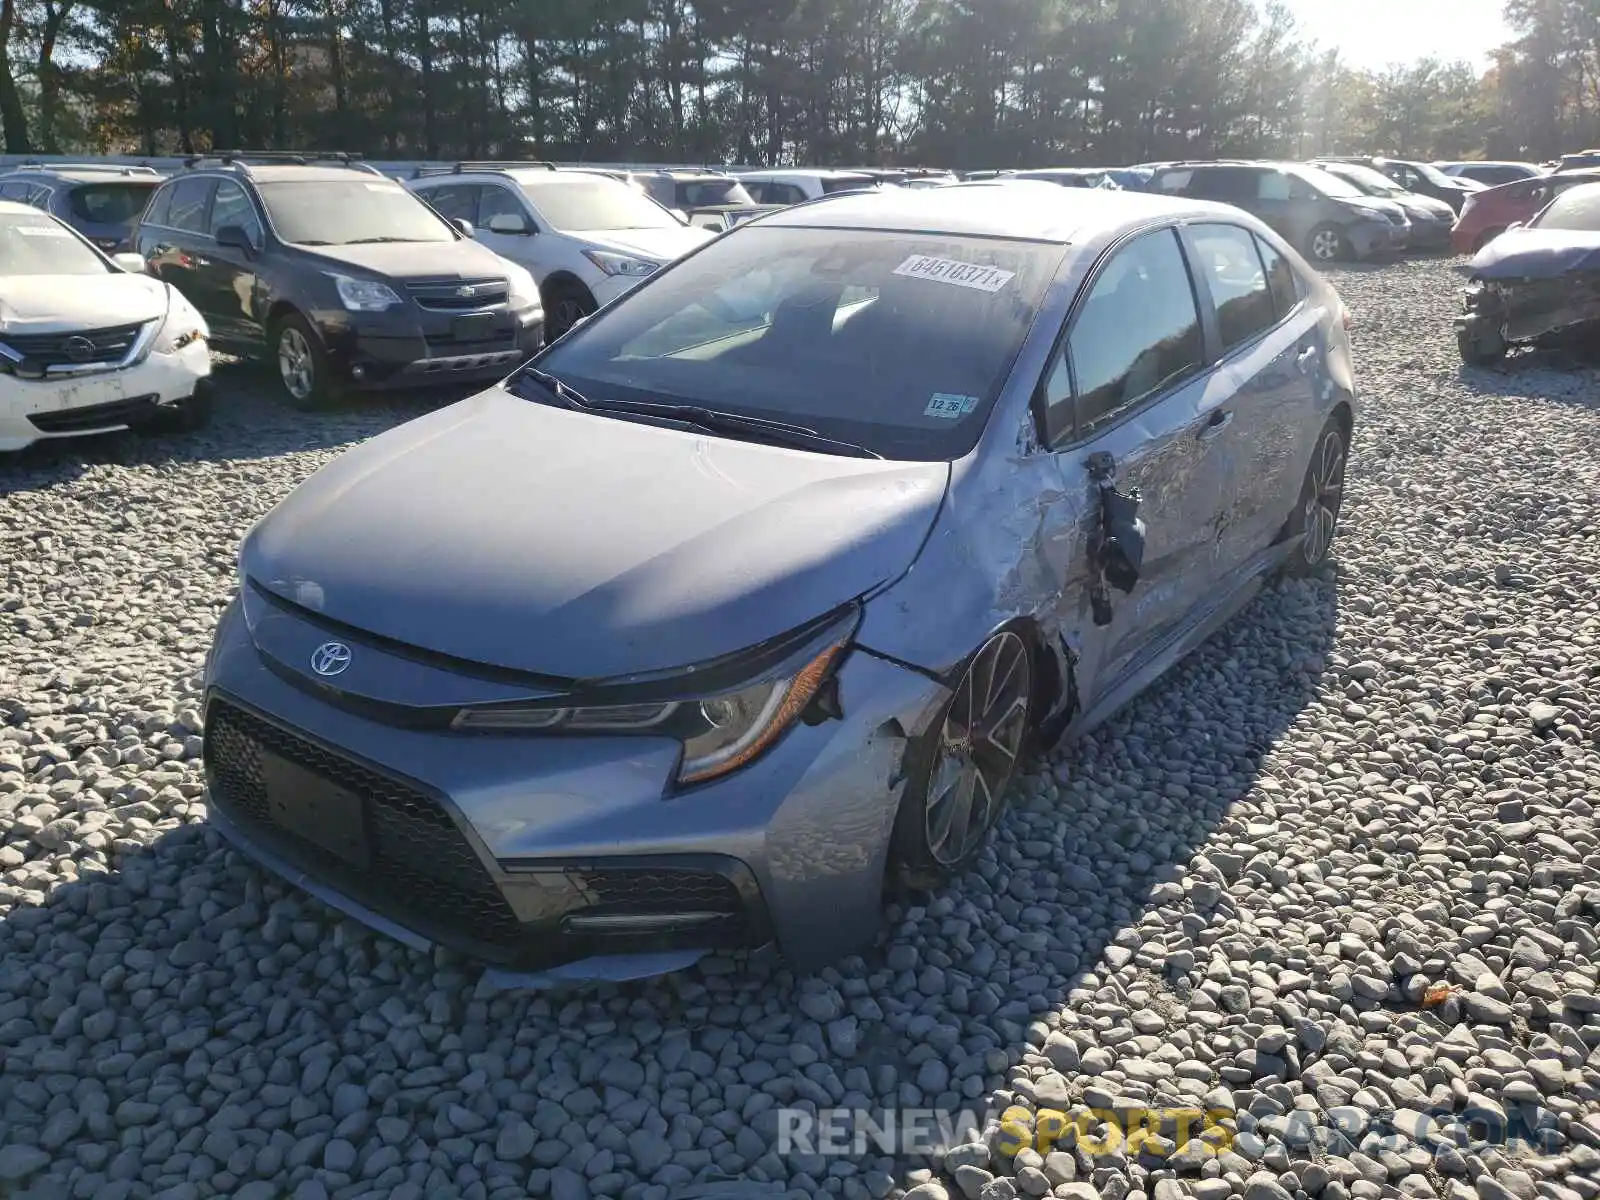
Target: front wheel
{"x": 1327, "y": 245}
{"x": 1316, "y": 514}
{"x": 564, "y": 306}
{"x": 958, "y": 771}
{"x": 302, "y": 362}
{"x": 185, "y": 416}
{"x": 1481, "y": 347}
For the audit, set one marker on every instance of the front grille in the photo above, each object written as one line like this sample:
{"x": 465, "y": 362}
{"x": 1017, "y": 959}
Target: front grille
{"x": 77, "y": 348}
{"x": 96, "y": 416}
{"x": 446, "y": 295}
{"x": 423, "y": 872}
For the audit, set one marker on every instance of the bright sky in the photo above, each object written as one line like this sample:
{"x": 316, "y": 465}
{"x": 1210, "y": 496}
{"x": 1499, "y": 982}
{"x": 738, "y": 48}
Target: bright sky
{"x": 1376, "y": 33}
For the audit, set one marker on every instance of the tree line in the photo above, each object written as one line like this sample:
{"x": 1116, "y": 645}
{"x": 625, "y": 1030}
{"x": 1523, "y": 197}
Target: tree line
{"x": 962, "y": 83}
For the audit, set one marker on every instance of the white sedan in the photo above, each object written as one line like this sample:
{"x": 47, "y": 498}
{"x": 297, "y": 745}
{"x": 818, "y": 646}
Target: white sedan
{"x": 90, "y": 344}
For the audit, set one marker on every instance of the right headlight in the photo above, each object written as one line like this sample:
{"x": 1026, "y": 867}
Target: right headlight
{"x": 364, "y": 295}
{"x": 720, "y": 732}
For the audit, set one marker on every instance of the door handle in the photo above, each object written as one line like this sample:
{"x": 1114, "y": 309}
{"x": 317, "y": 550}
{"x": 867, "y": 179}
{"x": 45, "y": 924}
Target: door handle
{"x": 1214, "y": 424}
{"x": 1305, "y": 358}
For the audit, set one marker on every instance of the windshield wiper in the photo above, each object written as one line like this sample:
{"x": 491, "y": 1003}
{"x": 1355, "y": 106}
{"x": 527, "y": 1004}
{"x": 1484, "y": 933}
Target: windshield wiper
{"x": 710, "y": 420}
{"x": 367, "y": 241}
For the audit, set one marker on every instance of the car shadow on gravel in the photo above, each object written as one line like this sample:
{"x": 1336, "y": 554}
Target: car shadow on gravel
{"x": 251, "y": 421}
{"x": 190, "y": 980}
{"x": 1547, "y": 375}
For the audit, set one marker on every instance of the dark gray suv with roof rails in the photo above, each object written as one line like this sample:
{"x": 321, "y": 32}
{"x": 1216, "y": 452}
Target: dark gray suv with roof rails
{"x": 102, "y": 201}
{"x": 1326, "y": 218}
{"x": 338, "y": 275}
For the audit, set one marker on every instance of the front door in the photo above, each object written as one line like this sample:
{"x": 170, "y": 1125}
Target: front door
{"x": 227, "y": 277}
{"x": 1130, "y": 381}
{"x": 175, "y": 248}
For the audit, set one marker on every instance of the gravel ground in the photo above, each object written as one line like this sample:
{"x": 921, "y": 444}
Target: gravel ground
{"x": 1338, "y": 881}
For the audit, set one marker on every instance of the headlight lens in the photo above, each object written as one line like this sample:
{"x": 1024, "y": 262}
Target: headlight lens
{"x": 720, "y": 733}
{"x": 182, "y": 326}
{"x": 621, "y": 264}
{"x": 364, "y": 295}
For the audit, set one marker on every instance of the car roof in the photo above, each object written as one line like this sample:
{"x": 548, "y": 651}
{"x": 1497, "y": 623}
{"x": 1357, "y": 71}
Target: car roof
{"x": 1029, "y": 209}
{"x": 285, "y": 172}
{"x": 79, "y": 175}
{"x": 805, "y": 173}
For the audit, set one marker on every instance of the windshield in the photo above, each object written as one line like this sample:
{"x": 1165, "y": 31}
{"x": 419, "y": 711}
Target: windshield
{"x": 1576, "y": 208}
{"x": 111, "y": 203}
{"x": 1328, "y": 183}
{"x": 35, "y": 245}
{"x": 897, "y": 341}
{"x": 1435, "y": 176}
{"x": 702, "y": 192}
{"x": 597, "y": 203}
{"x": 338, "y": 212}
{"x": 1373, "y": 183}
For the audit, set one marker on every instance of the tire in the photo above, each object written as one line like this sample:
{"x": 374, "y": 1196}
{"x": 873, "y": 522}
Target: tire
{"x": 1316, "y": 514}
{"x": 304, "y": 371}
{"x": 1327, "y": 244}
{"x": 1481, "y": 348}
{"x": 186, "y": 416}
{"x": 564, "y": 305}
{"x": 956, "y": 783}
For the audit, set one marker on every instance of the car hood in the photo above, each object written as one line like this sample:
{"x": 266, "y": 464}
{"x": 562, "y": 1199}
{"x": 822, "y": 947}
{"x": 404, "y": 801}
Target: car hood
{"x": 1426, "y": 206}
{"x": 662, "y": 245}
{"x": 48, "y": 303}
{"x": 464, "y": 259}
{"x": 1538, "y": 254}
{"x": 509, "y": 533}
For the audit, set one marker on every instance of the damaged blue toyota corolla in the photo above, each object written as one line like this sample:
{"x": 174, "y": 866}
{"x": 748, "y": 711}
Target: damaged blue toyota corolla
{"x": 744, "y": 599}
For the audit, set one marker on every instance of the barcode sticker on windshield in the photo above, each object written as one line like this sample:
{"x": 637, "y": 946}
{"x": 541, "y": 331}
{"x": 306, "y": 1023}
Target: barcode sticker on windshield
{"x": 948, "y": 407}
{"x": 960, "y": 274}
{"x": 382, "y": 187}
{"x": 41, "y": 231}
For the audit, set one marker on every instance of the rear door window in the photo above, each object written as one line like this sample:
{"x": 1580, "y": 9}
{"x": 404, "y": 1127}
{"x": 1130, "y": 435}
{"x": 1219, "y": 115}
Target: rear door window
{"x": 190, "y": 198}
{"x": 1227, "y": 257}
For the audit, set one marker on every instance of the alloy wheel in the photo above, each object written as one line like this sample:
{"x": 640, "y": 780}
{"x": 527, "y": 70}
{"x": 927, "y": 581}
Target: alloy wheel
{"x": 979, "y": 744}
{"x": 296, "y": 367}
{"x": 1324, "y": 493}
{"x": 569, "y": 310}
{"x": 1325, "y": 245}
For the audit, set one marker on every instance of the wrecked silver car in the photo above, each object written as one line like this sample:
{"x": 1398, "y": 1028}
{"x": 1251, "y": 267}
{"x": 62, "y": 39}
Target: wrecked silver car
{"x": 746, "y": 597}
{"x": 1536, "y": 284}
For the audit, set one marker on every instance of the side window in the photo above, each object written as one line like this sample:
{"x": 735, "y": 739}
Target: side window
{"x": 497, "y": 202}
{"x": 457, "y": 201}
{"x": 160, "y": 203}
{"x": 785, "y": 193}
{"x": 13, "y": 191}
{"x": 1138, "y": 331}
{"x": 1227, "y": 257}
{"x": 188, "y": 211}
{"x": 1285, "y": 284}
{"x": 1173, "y": 181}
{"x": 233, "y": 207}
{"x": 1273, "y": 185}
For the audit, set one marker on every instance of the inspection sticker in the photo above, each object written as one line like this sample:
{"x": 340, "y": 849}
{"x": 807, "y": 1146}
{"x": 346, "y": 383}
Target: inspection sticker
{"x": 41, "y": 231}
{"x": 382, "y": 187}
{"x": 949, "y": 407}
{"x": 944, "y": 270}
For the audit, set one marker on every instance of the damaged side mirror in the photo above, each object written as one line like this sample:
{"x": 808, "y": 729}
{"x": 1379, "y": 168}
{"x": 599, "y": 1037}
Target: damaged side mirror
{"x": 1116, "y": 550}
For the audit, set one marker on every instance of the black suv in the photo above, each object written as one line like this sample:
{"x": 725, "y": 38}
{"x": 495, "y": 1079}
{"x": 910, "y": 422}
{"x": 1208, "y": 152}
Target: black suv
{"x": 337, "y": 274}
{"x": 102, "y": 201}
{"x": 1324, "y": 217}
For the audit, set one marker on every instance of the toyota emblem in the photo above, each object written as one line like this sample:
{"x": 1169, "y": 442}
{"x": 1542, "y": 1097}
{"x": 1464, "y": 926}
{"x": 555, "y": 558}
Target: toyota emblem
{"x": 330, "y": 658}
{"x": 78, "y": 349}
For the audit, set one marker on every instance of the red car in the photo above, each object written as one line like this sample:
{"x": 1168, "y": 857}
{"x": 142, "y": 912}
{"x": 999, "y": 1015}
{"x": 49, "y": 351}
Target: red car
{"x": 1489, "y": 213}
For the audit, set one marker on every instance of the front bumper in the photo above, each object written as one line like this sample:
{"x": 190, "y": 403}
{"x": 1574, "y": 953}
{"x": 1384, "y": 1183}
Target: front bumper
{"x": 1376, "y": 239}
{"x": 554, "y": 857}
{"x": 1430, "y": 235}
{"x": 33, "y": 410}
{"x": 411, "y": 346}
